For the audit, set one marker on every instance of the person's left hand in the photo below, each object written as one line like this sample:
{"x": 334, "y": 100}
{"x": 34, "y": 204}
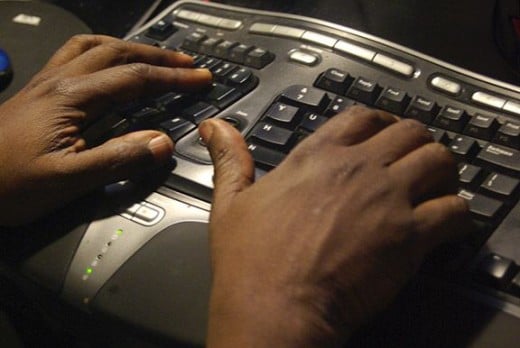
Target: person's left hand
{"x": 44, "y": 160}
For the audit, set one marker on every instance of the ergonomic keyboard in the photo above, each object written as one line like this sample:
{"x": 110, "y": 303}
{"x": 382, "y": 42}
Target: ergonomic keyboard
{"x": 278, "y": 78}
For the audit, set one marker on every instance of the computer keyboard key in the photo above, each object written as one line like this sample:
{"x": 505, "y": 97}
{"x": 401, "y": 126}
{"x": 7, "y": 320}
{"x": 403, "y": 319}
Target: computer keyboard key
{"x": 393, "y": 100}
{"x": 482, "y": 126}
{"x": 161, "y": 30}
{"x": 221, "y": 95}
{"x": 265, "y": 158}
{"x": 193, "y": 41}
{"x": 502, "y": 158}
{"x": 258, "y": 58}
{"x": 223, "y": 69}
{"x": 496, "y": 271}
{"x": 482, "y": 206}
{"x": 273, "y": 135}
{"x": 208, "y": 46}
{"x": 439, "y": 135}
{"x": 452, "y": 119}
{"x": 199, "y": 112}
{"x": 422, "y": 109}
{"x": 172, "y": 101}
{"x": 240, "y": 77}
{"x": 311, "y": 122}
{"x": 146, "y": 116}
{"x": 338, "y": 104}
{"x": 208, "y": 63}
{"x": 464, "y": 147}
{"x": 306, "y": 96}
{"x": 177, "y": 127}
{"x": 364, "y": 90}
{"x": 238, "y": 53}
{"x": 509, "y": 135}
{"x": 223, "y": 49}
{"x": 334, "y": 80}
{"x": 501, "y": 185}
{"x": 470, "y": 175}
{"x": 280, "y": 112}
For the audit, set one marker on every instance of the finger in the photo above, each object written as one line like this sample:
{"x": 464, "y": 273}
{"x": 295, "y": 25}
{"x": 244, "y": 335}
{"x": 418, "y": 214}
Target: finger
{"x": 441, "y": 220}
{"x": 355, "y": 125}
{"x": 76, "y": 46}
{"x": 115, "y": 160}
{"x": 427, "y": 171}
{"x": 119, "y": 52}
{"x": 399, "y": 139}
{"x": 98, "y": 91}
{"x": 233, "y": 164}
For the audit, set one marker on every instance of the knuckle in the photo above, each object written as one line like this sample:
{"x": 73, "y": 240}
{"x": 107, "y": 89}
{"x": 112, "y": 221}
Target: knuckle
{"x": 63, "y": 87}
{"x": 83, "y": 41}
{"x": 142, "y": 70}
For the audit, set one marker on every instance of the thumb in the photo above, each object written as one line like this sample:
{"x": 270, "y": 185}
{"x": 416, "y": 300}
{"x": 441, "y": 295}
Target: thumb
{"x": 233, "y": 164}
{"x": 120, "y": 158}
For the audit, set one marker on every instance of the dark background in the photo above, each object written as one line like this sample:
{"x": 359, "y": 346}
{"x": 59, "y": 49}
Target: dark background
{"x": 474, "y": 34}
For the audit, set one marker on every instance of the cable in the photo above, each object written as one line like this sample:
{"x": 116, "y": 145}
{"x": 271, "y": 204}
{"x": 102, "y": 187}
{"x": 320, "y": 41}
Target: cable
{"x": 145, "y": 17}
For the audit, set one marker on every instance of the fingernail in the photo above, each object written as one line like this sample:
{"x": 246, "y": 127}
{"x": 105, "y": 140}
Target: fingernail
{"x": 203, "y": 72}
{"x": 206, "y": 131}
{"x": 161, "y": 148}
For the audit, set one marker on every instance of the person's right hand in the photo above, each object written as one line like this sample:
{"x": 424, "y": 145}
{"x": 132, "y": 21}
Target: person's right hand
{"x": 328, "y": 238}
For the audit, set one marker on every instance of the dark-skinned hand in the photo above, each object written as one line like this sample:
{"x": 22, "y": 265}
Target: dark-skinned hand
{"x": 316, "y": 247}
{"x": 45, "y": 162}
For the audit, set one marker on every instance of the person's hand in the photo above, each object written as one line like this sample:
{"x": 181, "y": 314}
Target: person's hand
{"x": 44, "y": 161}
{"x": 325, "y": 240}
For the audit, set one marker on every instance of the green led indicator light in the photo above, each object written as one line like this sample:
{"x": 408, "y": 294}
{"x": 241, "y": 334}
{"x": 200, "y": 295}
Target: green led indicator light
{"x": 89, "y": 271}
{"x": 119, "y": 232}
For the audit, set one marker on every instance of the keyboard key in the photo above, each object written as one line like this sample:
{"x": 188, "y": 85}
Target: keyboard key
{"x": 241, "y": 76}
{"x": 172, "y": 101}
{"x": 193, "y": 41}
{"x": 439, "y": 135}
{"x": 422, "y": 109}
{"x": 307, "y": 96}
{"x": 480, "y": 205}
{"x": 464, "y": 147}
{"x": 446, "y": 85}
{"x": 223, "y": 49}
{"x": 282, "y": 113}
{"x": 311, "y": 122}
{"x": 265, "y": 158}
{"x": 208, "y": 63}
{"x": 334, "y": 80}
{"x": 338, "y": 104}
{"x": 452, "y": 119}
{"x": 177, "y": 127}
{"x": 502, "y": 158}
{"x": 222, "y": 96}
{"x": 208, "y": 46}
{"x": 364, "y": 90}
{"x": 199, "y": 112}
{"x": 223, "y": 69}
{"x": 258, "y": 58}
{"x": 161, "y": 30}
{"x": 470, "y": 175}
{"x": 482, "y": 126}
{"x": 273, "y": 135}
{"x": 496, "y": 271}
{"x": 501, "y": 185}
{"x": 393, "y": 100}
{"x": 238, "y": 53}
{"x": 509, "y": 135}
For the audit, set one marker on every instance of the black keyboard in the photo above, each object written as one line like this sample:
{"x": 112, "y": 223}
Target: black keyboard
{"x": 279, "y": 77}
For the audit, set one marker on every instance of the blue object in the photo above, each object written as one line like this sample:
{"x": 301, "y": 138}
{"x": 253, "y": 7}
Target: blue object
{"x": 5, "y": 64}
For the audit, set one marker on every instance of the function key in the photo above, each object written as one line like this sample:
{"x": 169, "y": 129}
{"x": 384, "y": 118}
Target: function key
{"x": 452, "y": 119}
{"x": 223, "y": 48}
{"x": 446, "y": 85}
{"x": 393, "y": 100}
{"x": 422, "y": 109}
{"x": 258, "y": 58}
{"x": 192, "y": 41}
{"x": 334, "y": 80}
{"x": 482, "y": 126}
{"x": 439, "y": 135}
{"x": 238, "y": 53}
{"x": 509, "y": 135}
{"x": 307, "y": 96}
{"x": 161, "y": 30}
{"x": 364, "y": 90}
{"x": 208, "y": 46}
